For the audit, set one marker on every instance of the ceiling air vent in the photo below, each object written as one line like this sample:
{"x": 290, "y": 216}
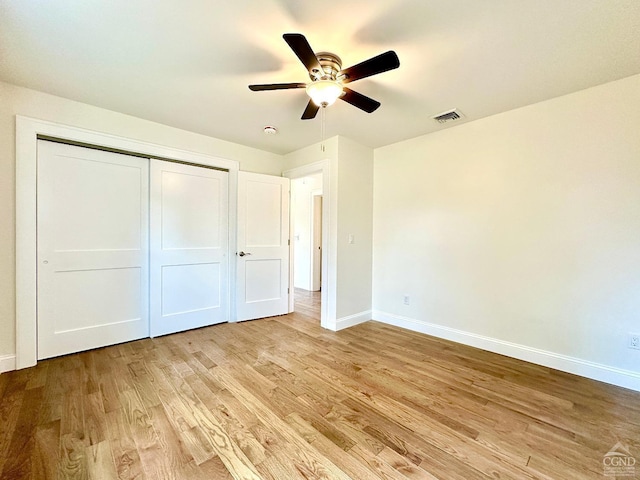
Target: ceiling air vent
{"x": 448, "y": 116}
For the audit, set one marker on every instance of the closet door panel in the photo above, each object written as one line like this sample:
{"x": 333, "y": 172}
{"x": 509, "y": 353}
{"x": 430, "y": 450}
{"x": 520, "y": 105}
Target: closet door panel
{"x": 92, "y": 220}
{"x": 189, "y": 247}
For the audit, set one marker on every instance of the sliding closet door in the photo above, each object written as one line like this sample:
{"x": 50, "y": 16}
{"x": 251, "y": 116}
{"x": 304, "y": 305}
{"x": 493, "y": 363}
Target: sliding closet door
{"x": 92, "y": 220}
{"x": 189, "y": 247}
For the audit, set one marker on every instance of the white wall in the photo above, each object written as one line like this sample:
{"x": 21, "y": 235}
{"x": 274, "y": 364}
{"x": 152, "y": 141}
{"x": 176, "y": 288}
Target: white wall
{"x": 355, "y": 217}
{"x": 302, "y": 191}
{"x": 520, "y": 233}
{"x": 312, "y": 154}
{"x": 21, "y": 101}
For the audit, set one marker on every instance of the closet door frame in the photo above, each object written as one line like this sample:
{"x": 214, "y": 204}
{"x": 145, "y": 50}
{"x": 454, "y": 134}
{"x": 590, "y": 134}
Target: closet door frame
{"x": 28, "y": 130}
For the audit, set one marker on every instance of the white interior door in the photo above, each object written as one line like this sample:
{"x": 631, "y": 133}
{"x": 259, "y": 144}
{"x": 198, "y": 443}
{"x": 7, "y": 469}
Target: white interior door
{"x": 189, "y": 247}
{"x": 92, "y": 222}
{"x": 262, "y": 246}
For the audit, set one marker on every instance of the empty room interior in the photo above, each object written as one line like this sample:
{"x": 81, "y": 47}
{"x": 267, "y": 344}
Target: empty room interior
{"x": 354, "y": 239}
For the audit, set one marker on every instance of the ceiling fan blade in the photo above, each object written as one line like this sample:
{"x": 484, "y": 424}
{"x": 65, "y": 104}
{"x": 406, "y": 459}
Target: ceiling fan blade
{"x": 381, "y": 63}
{"x": 311, "y": 111}
{"x": 276, "y": 86}
{"x": 302, "y": 49}
{"x": 358, "y": 100}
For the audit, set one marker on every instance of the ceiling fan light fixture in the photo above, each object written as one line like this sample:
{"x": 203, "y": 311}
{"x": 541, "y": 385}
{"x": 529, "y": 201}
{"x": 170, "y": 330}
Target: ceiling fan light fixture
{"x": 328, "y": 77}
{"x": 324, "y": 92}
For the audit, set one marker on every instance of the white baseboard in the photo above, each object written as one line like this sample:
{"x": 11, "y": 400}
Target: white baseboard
{"x": 595, "y": 371}
{"x": 351, "y": 320}
{"x": 7, "y": 363}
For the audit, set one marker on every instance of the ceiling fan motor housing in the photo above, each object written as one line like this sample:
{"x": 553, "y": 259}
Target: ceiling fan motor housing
{"x": 330, "y": 63}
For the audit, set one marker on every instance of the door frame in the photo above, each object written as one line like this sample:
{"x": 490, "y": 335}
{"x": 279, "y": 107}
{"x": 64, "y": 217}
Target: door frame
{"x": 329, "y": 241}
{"x": 27, "y": 132}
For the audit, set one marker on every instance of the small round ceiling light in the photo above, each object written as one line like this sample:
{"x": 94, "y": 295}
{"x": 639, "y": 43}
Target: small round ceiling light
{"x": 269, "y": 130}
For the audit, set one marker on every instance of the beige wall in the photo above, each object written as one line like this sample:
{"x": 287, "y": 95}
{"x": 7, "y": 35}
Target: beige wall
{"x": 521, "y": 229}
{"x": 20, "y": 101}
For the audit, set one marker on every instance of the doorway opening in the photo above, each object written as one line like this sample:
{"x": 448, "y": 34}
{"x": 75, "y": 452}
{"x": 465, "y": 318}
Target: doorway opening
{"x": 307, "y": 213}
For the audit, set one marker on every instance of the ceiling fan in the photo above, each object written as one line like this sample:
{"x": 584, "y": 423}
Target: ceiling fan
{"x": 328, "y": 79}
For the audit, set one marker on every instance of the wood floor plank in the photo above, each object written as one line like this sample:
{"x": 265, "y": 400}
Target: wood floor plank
{"x": 182, "y": 420}
{"x": 410, "y": 445}
{"x": 123, "y": 448}
{"x": 44, "y": 457}
{"x": 100, "y": 464}
{"x": 353, "y": 425}
{"x": 377, "y": 465}
{"x": 238, "y": 409}
{"x": 155, "y": 462}
{"x": 145, "y": 383}
{"x": 307, "y": 462}
{"x": 109, "y": 392}
{"x": 239, "y": 433}
{"x": 94, "y": 418}
{"x": 172, "y": 445}
{"x": 404, "y": 466}
{"x": 18, "y": 454}
{"x": 38, "y": 376}
{"x": 9, "y": 415}
{"x": 278, "y": 465}
{"x": 73, "y": 437}
{"x": 348, "y": 463}
{"x": 281, "y": 398}
{"x": 215, "y": 468}
{"x": 439, "y": 437}
{"x": 227, "y": 450}
{"x": 410, "y": 391}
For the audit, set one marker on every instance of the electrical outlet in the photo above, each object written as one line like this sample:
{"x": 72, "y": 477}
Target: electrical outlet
{"x": 634, "y": 340}
{"x": 407, "y": 300}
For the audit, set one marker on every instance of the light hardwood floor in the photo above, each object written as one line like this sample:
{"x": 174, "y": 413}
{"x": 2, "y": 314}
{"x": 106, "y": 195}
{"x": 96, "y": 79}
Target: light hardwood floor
{"x": 281, "y": 398}
{"x": 307, "y": 303}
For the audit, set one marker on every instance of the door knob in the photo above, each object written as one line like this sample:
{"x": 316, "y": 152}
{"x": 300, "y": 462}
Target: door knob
{"x": 242, "y": 254}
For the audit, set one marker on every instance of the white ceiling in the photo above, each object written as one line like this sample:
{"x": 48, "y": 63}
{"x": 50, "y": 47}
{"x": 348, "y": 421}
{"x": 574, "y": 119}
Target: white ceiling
{"x": 188, "y": 63}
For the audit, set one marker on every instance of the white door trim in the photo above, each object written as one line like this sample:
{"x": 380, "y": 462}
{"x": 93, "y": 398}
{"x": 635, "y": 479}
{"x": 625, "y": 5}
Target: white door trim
{"x": 27, "y": 131}
{"x": 329, "y": 241}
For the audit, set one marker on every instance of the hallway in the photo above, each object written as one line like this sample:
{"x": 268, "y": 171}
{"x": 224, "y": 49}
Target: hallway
{"x": 307, "y": 303}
